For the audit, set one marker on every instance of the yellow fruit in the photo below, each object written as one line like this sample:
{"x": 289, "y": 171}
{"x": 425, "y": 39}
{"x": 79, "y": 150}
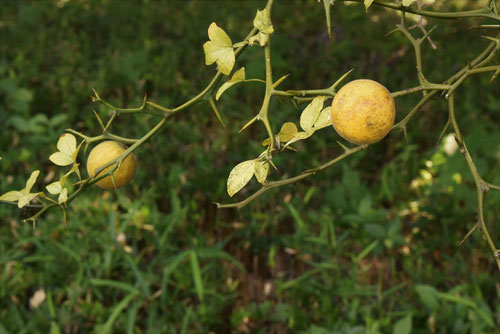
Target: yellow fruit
{"x": 105, "y": 152}
{"x": 363, "y": 112}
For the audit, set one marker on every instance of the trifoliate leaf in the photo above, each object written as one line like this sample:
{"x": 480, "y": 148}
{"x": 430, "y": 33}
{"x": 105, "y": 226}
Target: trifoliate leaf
{"x": 238, "y": 76}
{"x": 311, "y": 113}
{"x": 54, "y": 188}
{"x": 67, "y": 147}
{"x": 261, "y": 171}
{"x": 368, "y": 4}
{"x": 31, "y": 181}
{"x": 63, "y": 196}
{"x": 219, "y": 49}
{"x": 287, "y": 132}
{"x": 11, "y": 196}
{"x": 324, "y": 119}
{"x": 25, "y": 199}
{"x": 240, "y": 175}
{"x": 299, "y": 136}
{"x": 260, "y": 38}
{"x": 408, "y": 2}
{"x": 58, "y": 186}
{"x": 23, "y": 196}
{"x": 262, "y": 22}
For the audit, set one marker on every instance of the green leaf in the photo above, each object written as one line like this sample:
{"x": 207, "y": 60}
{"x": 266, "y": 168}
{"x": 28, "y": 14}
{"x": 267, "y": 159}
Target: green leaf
{"x": 403, "y": 326}
{"x": 67, "y": 147}
{"x": 219, "y": 49}
{"x": 240, "y": 175}
{"x": 287, "y": 132}
{"x": 407, "y": 2}
{"x": 311, "y": 113}
{"x": 238, "y": 76}
{"x": 324, "y": 118}
{"x": 428, "y": 295}
{"x": 368, "y": 4}
{"x": 196, "y": 271}
{"x": 261, "y": 171}
{"x": 108, "y": 326}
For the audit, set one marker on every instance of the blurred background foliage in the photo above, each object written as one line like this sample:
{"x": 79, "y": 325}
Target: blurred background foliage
{"x": 368, "y": 246}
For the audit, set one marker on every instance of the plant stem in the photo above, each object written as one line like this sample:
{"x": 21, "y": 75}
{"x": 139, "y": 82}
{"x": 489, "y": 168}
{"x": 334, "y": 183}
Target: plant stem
{"x": 481, "y": 185}
{"x": 273, "y": 184}
{"x": 482, "y": 12}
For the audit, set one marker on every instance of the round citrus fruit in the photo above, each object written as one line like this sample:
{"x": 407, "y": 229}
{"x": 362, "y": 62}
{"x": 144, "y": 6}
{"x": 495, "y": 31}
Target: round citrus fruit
{"x": 363, "y": 112}
{"x": 104, "y": 153}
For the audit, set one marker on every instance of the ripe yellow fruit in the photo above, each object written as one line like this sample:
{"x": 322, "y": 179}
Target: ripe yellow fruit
{"x": 105, "y": 152}
{"x": 363, "y": 112}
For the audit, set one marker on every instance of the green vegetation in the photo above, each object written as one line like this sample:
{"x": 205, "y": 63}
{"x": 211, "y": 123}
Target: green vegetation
{"x": 368, "y": 246}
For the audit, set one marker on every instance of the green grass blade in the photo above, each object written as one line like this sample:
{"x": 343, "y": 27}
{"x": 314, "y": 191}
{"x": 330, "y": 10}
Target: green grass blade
{"x": 195, "y": 267}
{"x": 116, "y": 312}
{"x": 114, "y": 284}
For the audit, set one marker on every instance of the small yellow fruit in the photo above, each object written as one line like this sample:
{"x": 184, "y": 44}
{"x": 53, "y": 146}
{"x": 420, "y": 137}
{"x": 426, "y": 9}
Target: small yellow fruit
{"x": 363, "y": 112}
{"x": 105, "y": 152}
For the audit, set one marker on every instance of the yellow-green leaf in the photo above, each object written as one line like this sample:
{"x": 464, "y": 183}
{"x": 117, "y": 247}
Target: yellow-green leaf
{"x": 299, "y": 136}
{"x": 311, "y": 113}
{"x": 324, "y": 118}
{"x": 219, "y": 49}
{"x": 63, "y": 196}
{"x": 238, "y": 76}
{"x": 260, "y": 37}
{"x": 25, "y": 199}
{"x": 219, "y": 36}
{"x": 240, "y": 175}
{"x": 262, "y": 22}
{"x": 11, "y": 196}
{"x": 67, "y": 148}
{"x": 66, "y": 144}
{"x": 408, "y": 2}
{"x": 261, "y": 171}
{"x": 54, "y": 188}
{"x": 287, "y": 132}
{"x": 61, "y": 159}
{"x": 368, "y": 4}
{"x": 31, "y": 181}
{"x": 22, "y": 196}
